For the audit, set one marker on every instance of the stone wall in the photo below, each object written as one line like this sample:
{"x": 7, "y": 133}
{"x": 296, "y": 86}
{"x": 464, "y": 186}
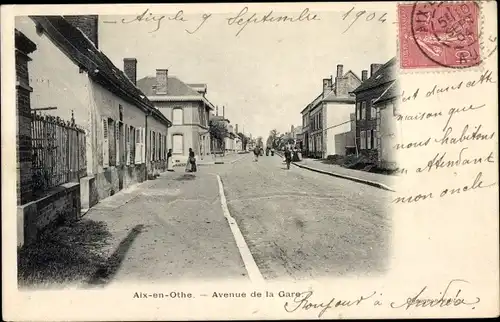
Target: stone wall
{"x": 60, "y": 203}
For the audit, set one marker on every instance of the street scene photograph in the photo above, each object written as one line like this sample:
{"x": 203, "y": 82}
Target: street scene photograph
{"x": 245, "y": 146}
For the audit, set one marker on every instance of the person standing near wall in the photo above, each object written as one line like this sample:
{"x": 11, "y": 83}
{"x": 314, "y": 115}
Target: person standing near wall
{"x": 191, "y": 162}
{"x": 169, "y": 161}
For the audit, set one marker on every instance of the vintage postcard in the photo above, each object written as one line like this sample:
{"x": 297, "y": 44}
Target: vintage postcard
{"x": 250, "y": 161}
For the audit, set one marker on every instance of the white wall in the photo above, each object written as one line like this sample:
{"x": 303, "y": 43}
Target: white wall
{"x": 106, "y": 104}
{"x": 336, "y": 115}
{"x": 55, "y": 79}
{"x": 57, "y": 82}
{"x": 389, "y": 133}
{"x": 189, "y": 131}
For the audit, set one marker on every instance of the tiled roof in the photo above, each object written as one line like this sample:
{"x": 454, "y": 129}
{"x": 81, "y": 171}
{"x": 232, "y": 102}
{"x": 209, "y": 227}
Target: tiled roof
{"x": 175, "y": 87}
{"x": 385, "y": 74}
{"x": 87, "y": 56}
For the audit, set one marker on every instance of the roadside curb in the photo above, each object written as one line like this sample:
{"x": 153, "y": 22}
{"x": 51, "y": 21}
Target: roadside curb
{"x": 342, "y": 176}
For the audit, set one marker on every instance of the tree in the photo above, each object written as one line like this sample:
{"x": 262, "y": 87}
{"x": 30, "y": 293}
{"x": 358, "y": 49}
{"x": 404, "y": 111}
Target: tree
{"x": 259, "y": 142}
{"x": 273, "y": 139}
{"x": 218, "y": 133}
{"x": 244, "y": 140}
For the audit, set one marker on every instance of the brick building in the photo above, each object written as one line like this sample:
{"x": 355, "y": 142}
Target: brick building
{"x": 381, "y": 78}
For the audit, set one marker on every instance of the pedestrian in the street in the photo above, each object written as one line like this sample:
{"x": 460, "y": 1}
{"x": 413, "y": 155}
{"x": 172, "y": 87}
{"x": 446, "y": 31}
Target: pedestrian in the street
{"x": 295, "y": 157}
{"x": 256, "y": 152}
{"x": 288, "y": 157}
{"x": 170, "y": 166}
{"x": 191, "y": 162}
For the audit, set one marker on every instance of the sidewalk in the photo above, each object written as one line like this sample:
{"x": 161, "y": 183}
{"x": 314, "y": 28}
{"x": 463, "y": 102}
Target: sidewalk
{"x": 171, "y": 229}
{"x": 382, "y": 181}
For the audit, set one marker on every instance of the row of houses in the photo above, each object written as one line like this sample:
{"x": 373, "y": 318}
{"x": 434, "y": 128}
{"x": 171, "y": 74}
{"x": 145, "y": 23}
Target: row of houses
{"x": 87, "y": 129}
{"x": 353, "y": 115}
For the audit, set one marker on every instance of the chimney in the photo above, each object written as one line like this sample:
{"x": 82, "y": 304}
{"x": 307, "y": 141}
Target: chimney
{"x": 217, "y": 110}
{"x": 223, "y": 114}
{"x": 236, "y": 128}
{"x": 340, "y": 71}
{"x": 87, "y": 24}
{"x": 130, "y": 69}
{"x": 374, "y": 68}
{"x": 161, "y": 81}
{"x": 364, "y": 75}
{"x": 327, "y": 86}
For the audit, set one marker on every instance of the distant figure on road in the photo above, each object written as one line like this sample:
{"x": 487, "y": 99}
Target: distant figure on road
{"x": 288, "y": 157}
{"x": 169, "y": 161}
{"x": 295, "y": 157}
{"x": 191, "y": 162}
{"x": 256, "y": 152}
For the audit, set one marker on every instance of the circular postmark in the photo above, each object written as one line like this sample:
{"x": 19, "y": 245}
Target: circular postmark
{"x": 447, "y": 33}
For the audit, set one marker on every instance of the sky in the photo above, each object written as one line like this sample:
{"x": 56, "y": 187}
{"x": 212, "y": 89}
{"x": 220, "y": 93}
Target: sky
{"x": 264, "y": 76}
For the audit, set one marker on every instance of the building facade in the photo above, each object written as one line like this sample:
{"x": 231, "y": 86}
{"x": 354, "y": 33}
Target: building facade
{"x": 73, "y": 77}
{"x": 382, "y": 77}
{"x": 327, "y": 121}
{"x": 186, "y": 107}
{"x": 82, "y": 123}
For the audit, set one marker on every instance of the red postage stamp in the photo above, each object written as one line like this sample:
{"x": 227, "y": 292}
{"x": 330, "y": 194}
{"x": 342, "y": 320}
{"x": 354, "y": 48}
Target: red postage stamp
{"x": 439, "y": 34}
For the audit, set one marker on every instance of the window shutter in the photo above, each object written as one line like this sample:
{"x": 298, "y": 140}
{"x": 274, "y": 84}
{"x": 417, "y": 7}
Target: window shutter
{"x": 160, "y": 152}
{"x": 127, "y": 145}
{"x": 137, "y": 157}
{"x": 117, "y": 139}
{"x": 105, "y": 143}
{"x": 143, "y": 150}
{"x": 151, "y": 146}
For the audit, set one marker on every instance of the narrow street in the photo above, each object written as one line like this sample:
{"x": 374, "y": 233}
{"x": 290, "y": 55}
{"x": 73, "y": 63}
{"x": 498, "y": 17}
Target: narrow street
{"x": 334, "y": 227}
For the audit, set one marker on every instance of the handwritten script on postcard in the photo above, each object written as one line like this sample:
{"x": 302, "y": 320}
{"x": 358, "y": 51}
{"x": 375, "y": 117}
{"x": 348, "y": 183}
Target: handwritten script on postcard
{"x": 244, "y": 18}
{"x": 452, "y": 295}
{"x": 462, "y": 143}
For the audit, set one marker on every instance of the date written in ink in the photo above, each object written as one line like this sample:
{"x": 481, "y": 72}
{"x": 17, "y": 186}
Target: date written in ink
{"x": 362, "y": 16}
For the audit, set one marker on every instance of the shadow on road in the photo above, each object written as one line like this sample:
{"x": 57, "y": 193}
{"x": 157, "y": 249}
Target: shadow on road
{"x": 106, "y": 272}
{"x": 186, "y": 177}
{"x": 63, "y": 254}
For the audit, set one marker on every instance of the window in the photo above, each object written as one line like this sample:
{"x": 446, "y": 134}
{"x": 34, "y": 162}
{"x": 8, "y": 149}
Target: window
{"x": 395, "y": 109}
{"x": 177, "y": 116}
{"x": 131, "y": 144}
{"x": 112, "y": 142}
{"x": 122, "y": 149}
{"x": 138, "y": 149}
{"x": 373, "y": 111}
{"x": 158, "y": 146}
{"x": 177, "y": 144}
{"x": 375, "y": 139}
{"x": 369, "y": 139}
{"x": 358, "y": 111}
{"x": 127, "y": 144}
{"x": 320, "y": 124}
{"x": 154, "y": 146}
{"x": 363, "y": 110}
{"x": 363, "y": 140}
{"x": 105, "y": 142}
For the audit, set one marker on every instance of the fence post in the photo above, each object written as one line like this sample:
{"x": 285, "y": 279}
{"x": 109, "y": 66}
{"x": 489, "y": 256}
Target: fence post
{"x": 24, "y": 47}
{"x": 78, "y": 155}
